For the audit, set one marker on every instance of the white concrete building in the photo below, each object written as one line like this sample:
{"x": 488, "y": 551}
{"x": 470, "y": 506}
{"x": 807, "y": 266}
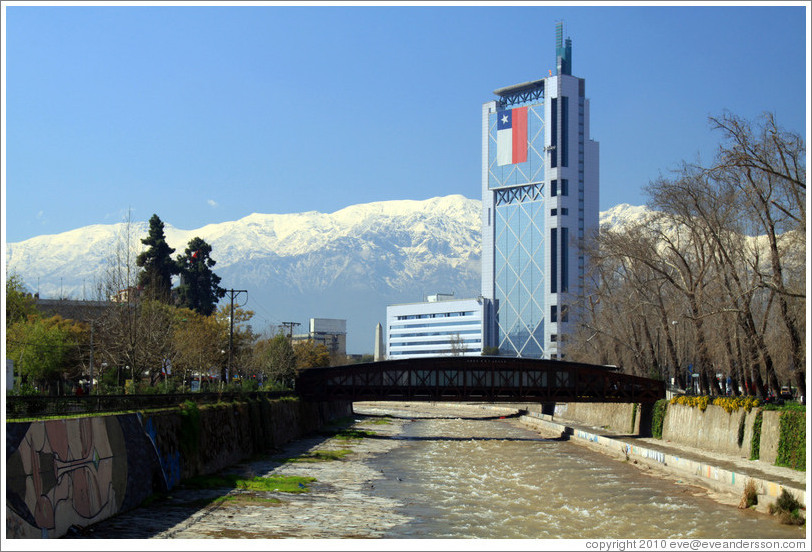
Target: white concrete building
{"x": 330, "y": 332}
{"x": 440, "y": 326}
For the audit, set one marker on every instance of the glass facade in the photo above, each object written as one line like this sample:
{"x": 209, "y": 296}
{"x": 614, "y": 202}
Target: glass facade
{"x": 519, "y": 277}
{"x": 519, "y": 244}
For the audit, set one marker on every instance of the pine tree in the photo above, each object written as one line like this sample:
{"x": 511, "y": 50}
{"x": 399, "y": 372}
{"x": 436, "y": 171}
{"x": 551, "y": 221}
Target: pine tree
{"x": 199, "y": 287}
{"x": 156, "y": 278}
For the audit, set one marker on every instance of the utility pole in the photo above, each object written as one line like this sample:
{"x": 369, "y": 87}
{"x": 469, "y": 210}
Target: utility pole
{"x": 231, "y": 329}
{"x": 90, "y": 385}
{"x": 290, "y": 326}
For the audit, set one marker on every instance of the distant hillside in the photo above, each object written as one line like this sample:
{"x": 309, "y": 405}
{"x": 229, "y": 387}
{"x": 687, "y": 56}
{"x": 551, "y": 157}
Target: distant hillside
{"x": 349, "y": 264}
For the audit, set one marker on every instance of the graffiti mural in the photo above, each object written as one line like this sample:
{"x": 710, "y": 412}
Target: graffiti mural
{"x": 61, "y": 473}
{"x": 79, "y": 471}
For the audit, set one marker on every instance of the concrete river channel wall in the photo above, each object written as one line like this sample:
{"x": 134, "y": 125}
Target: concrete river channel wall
{"x": 79, "y": 471}
{"x": 721, "y": 435}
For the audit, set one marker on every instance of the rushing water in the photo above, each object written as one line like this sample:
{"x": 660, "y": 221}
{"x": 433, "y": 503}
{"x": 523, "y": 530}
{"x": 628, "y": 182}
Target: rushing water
{"x": 467, "y": 478}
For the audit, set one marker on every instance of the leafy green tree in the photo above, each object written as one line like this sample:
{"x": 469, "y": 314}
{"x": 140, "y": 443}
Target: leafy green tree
{"x": 311, "y": 355}
{"x": 19, "y": 303}
{"x": 199, "y": 288}
{"x": 156, "y": 261}
{"x": 46, "y": 350}
{"x": 198, "y": 341}
{"x": 274, "y": 358}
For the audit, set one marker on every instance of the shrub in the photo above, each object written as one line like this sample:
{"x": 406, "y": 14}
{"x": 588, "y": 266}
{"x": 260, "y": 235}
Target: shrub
{"x": 749, "y": 496}
{"x": 190, "y": 427}
{"x": 658, "y": 417}
{"x": 730, "y": 404}
{"x": 788, "y": 509}
{"x": 700, "y": 402}
{"x": 740, "y": 437}
{"x": 792, "y": 440}
{"x": 755, "y": 444}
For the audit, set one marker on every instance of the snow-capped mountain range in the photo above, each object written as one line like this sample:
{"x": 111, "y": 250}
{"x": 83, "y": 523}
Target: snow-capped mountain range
{"x": 349, "y": 264}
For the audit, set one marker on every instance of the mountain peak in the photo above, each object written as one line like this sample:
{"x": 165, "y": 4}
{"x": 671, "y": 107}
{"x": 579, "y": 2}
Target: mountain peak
{"x": 349, "y": 264}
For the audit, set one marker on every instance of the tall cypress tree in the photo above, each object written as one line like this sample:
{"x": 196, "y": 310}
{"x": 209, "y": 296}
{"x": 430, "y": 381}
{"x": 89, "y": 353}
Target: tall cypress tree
{"x": 156, "y": 278}
{"x": 199, "y": 287}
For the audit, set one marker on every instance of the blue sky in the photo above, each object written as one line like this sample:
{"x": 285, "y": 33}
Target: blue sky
{"x": 207, "y": 114}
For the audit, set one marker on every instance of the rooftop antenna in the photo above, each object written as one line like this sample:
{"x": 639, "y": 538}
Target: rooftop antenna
{"x": 563, "y": 51}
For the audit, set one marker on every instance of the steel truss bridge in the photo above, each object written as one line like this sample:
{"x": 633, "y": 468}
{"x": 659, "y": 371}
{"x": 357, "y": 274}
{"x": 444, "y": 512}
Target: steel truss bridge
{"x": 477, "y": 379}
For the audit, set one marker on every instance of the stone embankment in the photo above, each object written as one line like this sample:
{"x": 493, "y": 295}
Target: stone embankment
{"x": 65, "y": 474}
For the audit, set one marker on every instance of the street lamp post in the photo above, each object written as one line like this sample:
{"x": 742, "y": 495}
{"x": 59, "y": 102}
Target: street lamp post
{"x": 676, "y": 350}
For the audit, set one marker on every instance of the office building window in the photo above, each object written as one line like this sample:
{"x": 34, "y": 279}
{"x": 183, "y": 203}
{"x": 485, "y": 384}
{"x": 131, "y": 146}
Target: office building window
{"x": 564, "y": 131}
{"x": 553, "y": 259}
{"x": 564, "y": 260}
{"x": 554, "y": 133}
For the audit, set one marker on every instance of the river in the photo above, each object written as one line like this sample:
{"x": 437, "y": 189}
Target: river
{"x": 442, "y": 472}
{"x": 467, "y": 478}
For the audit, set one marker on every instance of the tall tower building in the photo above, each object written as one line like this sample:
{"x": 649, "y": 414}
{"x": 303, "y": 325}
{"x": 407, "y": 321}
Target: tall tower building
{"x": 539, "y": 202}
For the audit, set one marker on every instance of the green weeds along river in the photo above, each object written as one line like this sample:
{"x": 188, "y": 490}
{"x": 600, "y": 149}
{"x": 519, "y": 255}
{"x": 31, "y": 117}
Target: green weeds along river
{"x": 417, "y": 471}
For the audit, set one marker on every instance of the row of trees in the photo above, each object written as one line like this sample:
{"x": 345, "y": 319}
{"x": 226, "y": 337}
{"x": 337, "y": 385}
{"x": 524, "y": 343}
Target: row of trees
{"x": 713, "y": 282}
{"x": 151, "y": 333}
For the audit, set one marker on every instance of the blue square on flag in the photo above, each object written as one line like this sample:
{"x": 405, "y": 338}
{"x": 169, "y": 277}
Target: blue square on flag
{"x": 504, "y": 119}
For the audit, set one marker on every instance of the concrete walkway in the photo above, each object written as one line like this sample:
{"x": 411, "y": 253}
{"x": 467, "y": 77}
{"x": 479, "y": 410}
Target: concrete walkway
{"x": 719, "y": 472}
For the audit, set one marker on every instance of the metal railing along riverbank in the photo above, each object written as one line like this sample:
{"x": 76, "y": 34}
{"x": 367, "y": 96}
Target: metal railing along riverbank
{"x": 45, "y": 406}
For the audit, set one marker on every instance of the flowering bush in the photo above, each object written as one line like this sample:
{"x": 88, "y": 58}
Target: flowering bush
{"x": 730, "y": 404}
{"x": 700, "y": 402}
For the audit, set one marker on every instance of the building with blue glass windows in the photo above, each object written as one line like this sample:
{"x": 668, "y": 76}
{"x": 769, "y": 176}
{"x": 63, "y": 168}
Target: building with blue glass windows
{"x": 539, "y": 202}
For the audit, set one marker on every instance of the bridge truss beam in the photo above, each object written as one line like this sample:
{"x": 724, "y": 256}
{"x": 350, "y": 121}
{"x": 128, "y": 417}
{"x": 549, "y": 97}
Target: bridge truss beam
{"x": 478, "y": 379}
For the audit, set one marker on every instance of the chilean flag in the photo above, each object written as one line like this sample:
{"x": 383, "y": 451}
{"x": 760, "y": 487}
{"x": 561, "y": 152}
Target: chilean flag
{"x": 511, "y": 136}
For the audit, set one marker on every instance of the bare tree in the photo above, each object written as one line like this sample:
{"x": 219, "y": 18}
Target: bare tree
{"x": 458, "y": 346}
{"x": 716, "y": 277}
{"x": 117, "y": 329}
{"x": 767, "y": 164}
